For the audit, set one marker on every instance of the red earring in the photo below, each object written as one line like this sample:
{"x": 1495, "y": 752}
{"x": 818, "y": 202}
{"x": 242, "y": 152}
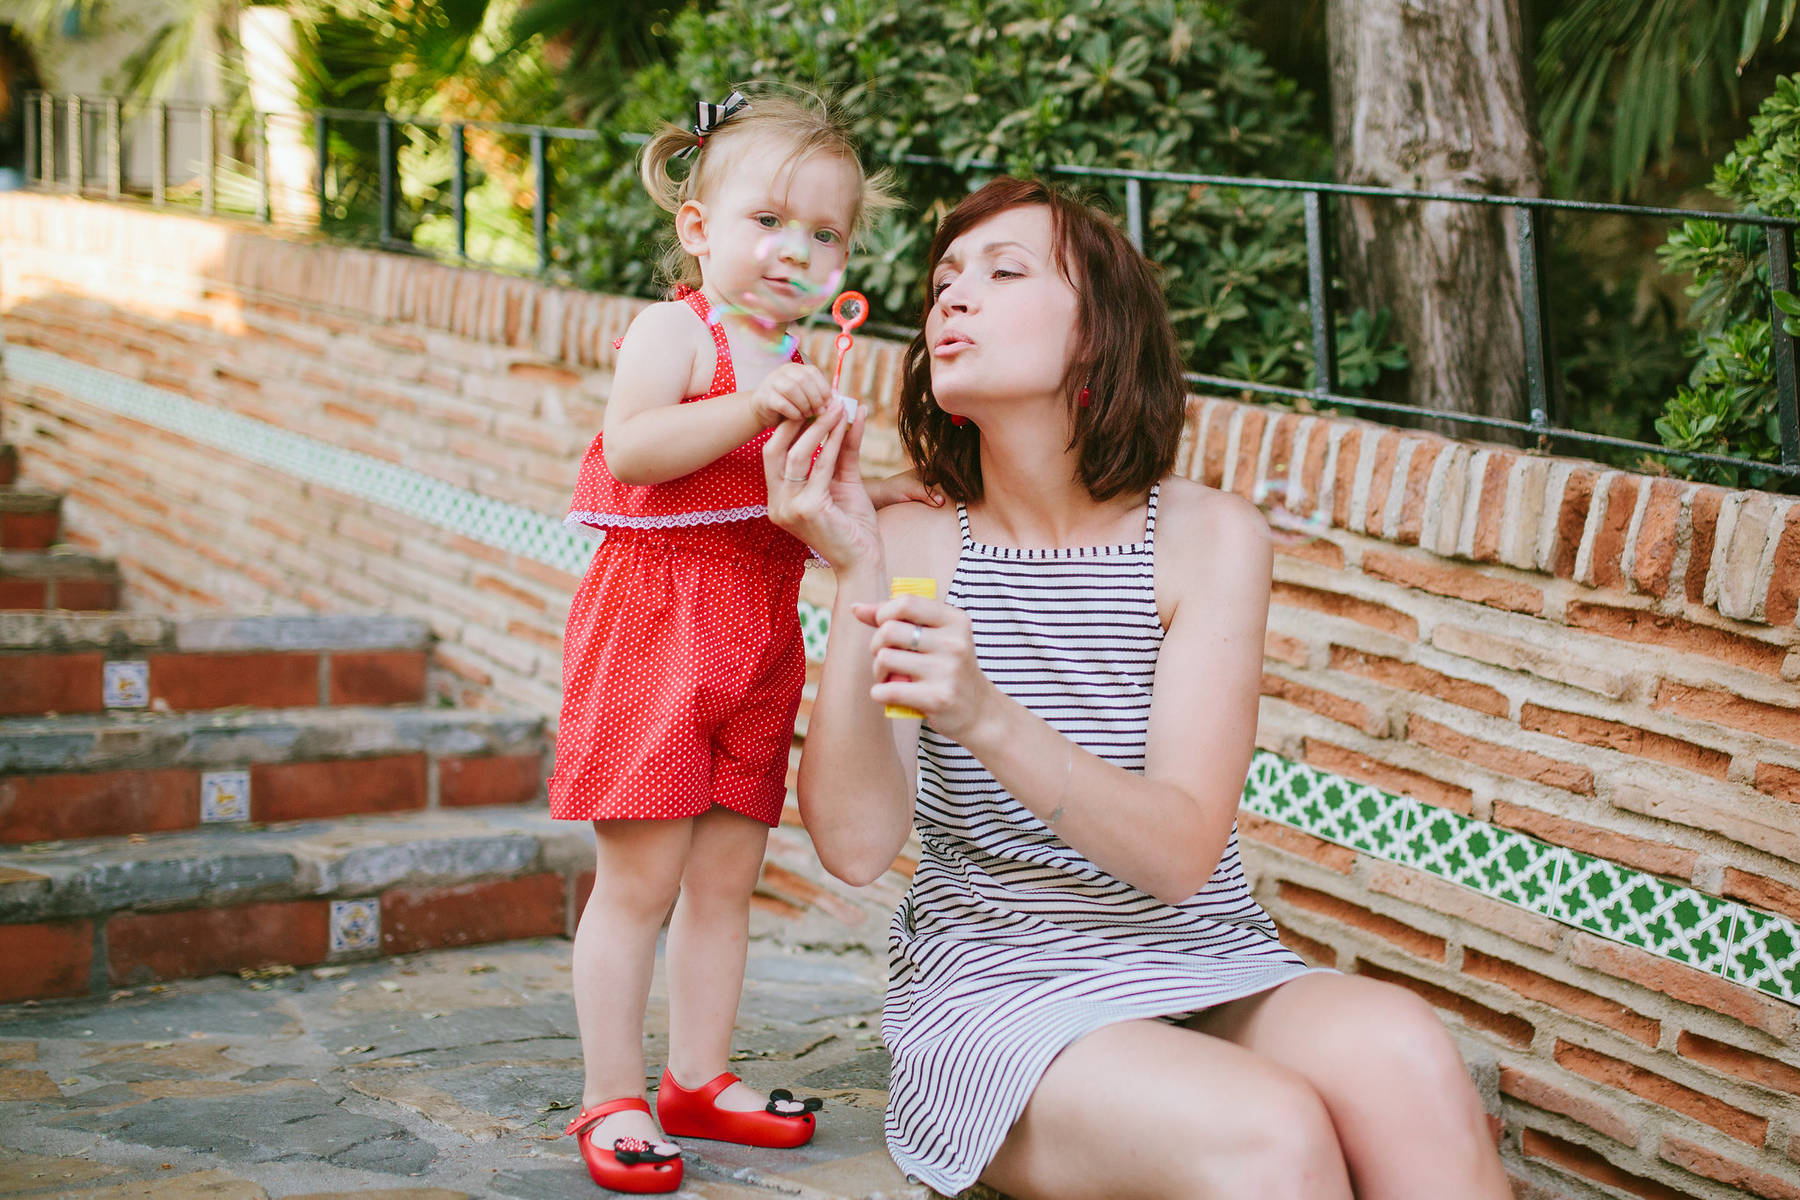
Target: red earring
{"x": 958, "y": 420}
{"x": 1083, "y": 398}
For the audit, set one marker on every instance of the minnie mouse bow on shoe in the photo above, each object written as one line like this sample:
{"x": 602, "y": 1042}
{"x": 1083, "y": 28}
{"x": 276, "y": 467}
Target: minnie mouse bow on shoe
{"x": 632, "y": 1164}
{"x": 783, "y": 1124}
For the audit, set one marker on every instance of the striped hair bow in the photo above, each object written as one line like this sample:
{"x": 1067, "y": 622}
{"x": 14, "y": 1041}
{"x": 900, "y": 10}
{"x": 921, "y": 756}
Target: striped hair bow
{"x": 708, "y": 117}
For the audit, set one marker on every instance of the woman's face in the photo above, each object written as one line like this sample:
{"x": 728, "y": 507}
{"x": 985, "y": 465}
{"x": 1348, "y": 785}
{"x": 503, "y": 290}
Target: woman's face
{"x": 1003, "y": 321}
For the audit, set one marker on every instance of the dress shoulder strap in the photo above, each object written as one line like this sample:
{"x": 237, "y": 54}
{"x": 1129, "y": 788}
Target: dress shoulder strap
{"x": 1150, "y": 518}
{"x": 962, "y": 522}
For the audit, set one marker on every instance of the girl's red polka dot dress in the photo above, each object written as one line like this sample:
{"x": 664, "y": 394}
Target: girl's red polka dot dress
{"x": 683, "y": 659}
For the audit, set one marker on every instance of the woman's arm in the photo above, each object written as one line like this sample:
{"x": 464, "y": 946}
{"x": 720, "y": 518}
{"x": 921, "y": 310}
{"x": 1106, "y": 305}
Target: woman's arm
{"x": 651, "y": 437}
{"x": 1163, "y": 831}
{"x": 856, "y": 768}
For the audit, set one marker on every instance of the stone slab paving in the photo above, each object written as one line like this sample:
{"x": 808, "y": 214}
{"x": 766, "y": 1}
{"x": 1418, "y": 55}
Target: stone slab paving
{"x": 438, "y": 1076}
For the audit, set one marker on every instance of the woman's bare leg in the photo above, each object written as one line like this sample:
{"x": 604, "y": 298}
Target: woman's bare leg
{"x": 637, "y": 872}
{"x": 1148, "y": 1110}
{"x": 709, "y": 936}
{"x": 1405, "y": 1111}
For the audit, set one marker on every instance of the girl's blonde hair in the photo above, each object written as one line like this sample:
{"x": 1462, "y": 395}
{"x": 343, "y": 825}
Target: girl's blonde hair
{"x": 806, "y": 122}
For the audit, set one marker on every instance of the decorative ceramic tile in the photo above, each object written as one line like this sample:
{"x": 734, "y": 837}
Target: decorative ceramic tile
{"x": 1765, "y": 954}
{"x": 125, "y": 684}
{"x": 355, "y": 925}
{"x": 815, "y": 627}
{"x": 225, "y": 796}
{"x": 1667, "y": 919}
{"x": 1329, "y": 806}
{"x": 495, "y": 523}
{"x": 1496, "y": 862}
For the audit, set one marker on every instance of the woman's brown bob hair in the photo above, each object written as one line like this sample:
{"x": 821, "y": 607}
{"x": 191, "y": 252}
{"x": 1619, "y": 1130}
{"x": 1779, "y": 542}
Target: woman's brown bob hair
{"x": 1125, "y": 355}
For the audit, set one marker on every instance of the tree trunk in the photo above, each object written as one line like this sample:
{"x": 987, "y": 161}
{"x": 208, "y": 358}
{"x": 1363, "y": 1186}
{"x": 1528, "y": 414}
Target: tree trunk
{"x": 1431, "y": 95}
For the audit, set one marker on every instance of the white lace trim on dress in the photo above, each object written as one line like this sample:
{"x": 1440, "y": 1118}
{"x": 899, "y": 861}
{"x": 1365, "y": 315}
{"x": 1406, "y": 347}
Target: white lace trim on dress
{"x": 595, "y": 524}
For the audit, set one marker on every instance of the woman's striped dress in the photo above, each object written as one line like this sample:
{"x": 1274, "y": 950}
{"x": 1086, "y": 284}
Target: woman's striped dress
{"x": 1011, "y": 945}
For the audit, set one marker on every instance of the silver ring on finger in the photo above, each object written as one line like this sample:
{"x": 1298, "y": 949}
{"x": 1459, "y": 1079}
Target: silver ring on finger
{"x": 914, "y": 644}
{"x": 795, "y": 478}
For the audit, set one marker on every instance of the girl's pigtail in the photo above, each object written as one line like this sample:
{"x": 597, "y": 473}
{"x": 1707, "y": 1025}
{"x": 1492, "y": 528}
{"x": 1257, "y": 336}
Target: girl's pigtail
{"x": 653, "y": 164}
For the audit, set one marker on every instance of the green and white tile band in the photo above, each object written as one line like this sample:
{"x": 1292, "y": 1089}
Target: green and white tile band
{"x": 1721, "y": 937}
{"x": 1670, "y": 920}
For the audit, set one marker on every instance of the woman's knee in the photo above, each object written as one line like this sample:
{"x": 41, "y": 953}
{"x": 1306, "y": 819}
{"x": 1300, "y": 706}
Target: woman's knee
{"x": 1282, "y": 1138}
{"x": 1393, "y": 1036}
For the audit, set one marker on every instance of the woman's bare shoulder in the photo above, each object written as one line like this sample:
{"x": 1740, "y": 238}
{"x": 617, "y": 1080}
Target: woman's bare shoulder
{"x": 920, "y": 538}
{"x": 1212, "y": 548}
{"x": 1194, "y": 513}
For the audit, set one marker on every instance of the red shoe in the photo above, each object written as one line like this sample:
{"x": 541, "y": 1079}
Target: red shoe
{"x": 632, "y": 1165}
{"x": 782, "y": 1125}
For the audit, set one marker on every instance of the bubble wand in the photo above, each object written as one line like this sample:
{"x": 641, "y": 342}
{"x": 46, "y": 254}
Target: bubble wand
{"x": 849, "y": 310}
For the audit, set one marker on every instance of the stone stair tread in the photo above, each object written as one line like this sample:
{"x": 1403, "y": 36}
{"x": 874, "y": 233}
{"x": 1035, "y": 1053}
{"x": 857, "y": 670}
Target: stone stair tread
{"x": 339, "y": 857}
{"x": 56, "y": 563}
{"x": 122, "y": 632}
{"x": 124, "y": 740}
{"x": 63, "y": 630}
{"x": 303, "y": 631}
{"x": 26, "y": 498}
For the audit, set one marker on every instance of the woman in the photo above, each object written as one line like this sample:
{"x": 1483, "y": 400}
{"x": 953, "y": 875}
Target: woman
{"x": 1084, "y": 1000}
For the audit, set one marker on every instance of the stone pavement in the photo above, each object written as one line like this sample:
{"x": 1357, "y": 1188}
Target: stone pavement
{"x": 435, "y": 1076}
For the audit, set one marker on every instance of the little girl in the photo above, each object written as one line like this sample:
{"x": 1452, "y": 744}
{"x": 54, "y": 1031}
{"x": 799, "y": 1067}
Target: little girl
{"x": 683, "y": 660}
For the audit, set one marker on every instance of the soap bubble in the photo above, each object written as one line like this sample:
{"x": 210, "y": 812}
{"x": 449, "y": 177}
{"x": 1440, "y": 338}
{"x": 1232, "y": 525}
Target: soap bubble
{"x": 1293, "y": 515}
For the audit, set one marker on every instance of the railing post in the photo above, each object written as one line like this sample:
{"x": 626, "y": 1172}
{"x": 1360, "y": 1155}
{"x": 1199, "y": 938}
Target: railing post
{"x": 30, "y": 114}
{"x": 1538, "y": 380}
{"x": 115, "y": 151}
{"x": 47, "y": 123}
{"x": 322, "y": 152}
{"x": 1781, "y": 343}
{"x": 77, "y": 168}
{"x": 159, "y": 154}
{"x": 1134, "y": 212}
{"x": 459, "y": 188}
{"x": 384, "y": 148}
{"x": 540, "y": 208}
{"x": 1318, "y": 293}
{"x": 259, "y": 151}
{"x": 209, "y": 161}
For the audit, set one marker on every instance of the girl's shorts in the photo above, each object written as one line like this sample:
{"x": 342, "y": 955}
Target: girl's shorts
{"x": 682, "y": 669}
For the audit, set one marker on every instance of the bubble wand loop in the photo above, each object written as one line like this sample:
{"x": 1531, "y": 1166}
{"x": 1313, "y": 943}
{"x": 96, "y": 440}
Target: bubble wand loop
{"x": 849, "y": 310}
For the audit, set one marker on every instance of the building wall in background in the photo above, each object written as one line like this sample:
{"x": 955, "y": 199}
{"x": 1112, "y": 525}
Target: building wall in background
{"x": 1530, "y": 730}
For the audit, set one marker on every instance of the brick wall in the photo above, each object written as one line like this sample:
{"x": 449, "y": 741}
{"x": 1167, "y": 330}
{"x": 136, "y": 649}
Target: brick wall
{"x": 1531, "y": 726}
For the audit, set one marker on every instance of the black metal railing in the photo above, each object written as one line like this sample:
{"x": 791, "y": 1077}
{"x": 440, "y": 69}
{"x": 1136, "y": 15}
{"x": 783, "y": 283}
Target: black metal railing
{"x": 105, "y": 132}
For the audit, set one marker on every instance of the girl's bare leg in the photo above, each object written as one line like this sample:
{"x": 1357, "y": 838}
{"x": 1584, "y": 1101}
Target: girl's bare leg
{"x": 709, "y": 936}
{"x": 637, "y": 873}
{"x": 1150, "y": 1110}
{"x": 1400, "y": 1099}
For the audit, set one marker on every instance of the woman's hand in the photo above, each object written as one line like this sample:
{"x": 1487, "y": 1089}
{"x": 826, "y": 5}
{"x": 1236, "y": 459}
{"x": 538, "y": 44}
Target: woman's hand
{"x": 792, "y": 391}
{"x": 816, "y": 490}
{"x": 924, "y": 658}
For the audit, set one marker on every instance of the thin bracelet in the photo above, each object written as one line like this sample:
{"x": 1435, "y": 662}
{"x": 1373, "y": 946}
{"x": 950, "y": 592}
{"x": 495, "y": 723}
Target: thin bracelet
{"x": 1056, "y": 814}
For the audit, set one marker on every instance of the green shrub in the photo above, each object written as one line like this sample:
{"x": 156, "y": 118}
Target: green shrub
{"x": 1163, "y": 86}
{"x": 1728, "y": 403}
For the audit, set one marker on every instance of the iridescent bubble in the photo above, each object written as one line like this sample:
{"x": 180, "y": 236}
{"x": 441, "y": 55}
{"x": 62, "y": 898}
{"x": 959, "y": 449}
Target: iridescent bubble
{"x": 1293, "y": 515}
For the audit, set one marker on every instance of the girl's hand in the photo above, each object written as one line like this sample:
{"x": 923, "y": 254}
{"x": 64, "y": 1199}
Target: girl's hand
{"x": 896, "y": 489}
{"x": 816, "y": 490}
{"x": 924, "y": 658}
{"x": 791, "y": 392}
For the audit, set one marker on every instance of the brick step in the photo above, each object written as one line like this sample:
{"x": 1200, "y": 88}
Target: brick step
{"x": 58, "y": 580}
{"x": 77, "y": 663}
{"x": 113, "y": 774}
{"x": 30, "y": 519}
{"x": 9, "y": 464}
{"x": 119, "y": 912}
{"x": 126, "y": 911}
